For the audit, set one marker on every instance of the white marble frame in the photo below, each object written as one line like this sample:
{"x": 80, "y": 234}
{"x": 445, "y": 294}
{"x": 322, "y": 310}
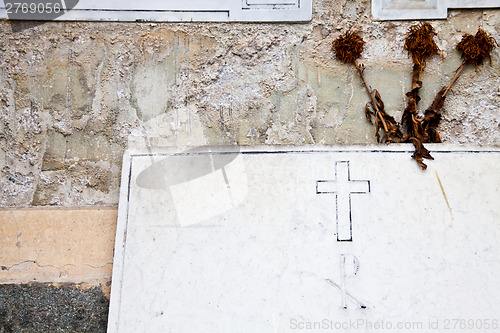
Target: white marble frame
{"x": 187, "y": 11}
{"x": 423, "y": 9}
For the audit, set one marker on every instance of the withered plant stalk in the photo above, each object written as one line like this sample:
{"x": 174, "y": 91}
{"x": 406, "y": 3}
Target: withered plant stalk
{"x": 457, "y": 74}
{"x": 474, "y": 49}
{"x": 421, "y": 46}
{"x": 374, "y": 102}
{"x": 348, "y": 49}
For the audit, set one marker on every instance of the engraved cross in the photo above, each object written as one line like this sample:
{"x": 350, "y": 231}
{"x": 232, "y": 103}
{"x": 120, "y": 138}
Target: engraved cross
{"x": 343, "y": 187}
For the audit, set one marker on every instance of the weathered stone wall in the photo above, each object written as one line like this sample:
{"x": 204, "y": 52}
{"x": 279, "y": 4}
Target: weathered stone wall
{"x": 74, "y": 95}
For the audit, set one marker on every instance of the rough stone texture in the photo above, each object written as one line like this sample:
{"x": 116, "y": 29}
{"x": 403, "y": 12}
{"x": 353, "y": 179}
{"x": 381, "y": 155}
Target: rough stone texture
{"x": 73, "y": 96}
{"x": 43, "y": 308}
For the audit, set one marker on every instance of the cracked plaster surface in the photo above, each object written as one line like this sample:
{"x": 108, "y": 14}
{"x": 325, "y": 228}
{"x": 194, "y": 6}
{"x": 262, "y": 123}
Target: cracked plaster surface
{"x": 74, "y": 96}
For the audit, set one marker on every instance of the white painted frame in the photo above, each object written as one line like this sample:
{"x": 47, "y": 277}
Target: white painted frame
{"x": 187, "y": 11}
{"x": 423, "y": 9}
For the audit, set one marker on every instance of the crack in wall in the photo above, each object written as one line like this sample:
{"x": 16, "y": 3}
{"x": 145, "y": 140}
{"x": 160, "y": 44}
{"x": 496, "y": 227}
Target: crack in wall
{"x": 8, "y": 268}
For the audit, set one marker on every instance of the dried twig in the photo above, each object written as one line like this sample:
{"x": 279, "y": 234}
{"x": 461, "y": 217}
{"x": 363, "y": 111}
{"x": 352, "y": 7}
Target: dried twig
{"x": 457, "y": 74}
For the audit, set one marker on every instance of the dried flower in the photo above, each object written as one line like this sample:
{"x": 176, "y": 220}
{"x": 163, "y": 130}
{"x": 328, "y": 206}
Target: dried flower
{"x": 348, "y": 47}
{"x": 420, "y": 43}
{"x": 475, "y": 48}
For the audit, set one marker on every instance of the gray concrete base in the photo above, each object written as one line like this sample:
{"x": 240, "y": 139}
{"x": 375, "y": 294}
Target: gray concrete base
{"x": 45, "y": 308}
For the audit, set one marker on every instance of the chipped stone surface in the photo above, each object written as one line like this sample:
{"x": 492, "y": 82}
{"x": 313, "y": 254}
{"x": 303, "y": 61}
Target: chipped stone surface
{"x": 74, "y": 96}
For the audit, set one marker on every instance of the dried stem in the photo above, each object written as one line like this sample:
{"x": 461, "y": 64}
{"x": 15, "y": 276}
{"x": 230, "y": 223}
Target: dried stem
{"x": 458, "y": 71}
{"x": 408, "y": 118}
{"x": 415, "y": 80}
{"x": 374, "y": 102}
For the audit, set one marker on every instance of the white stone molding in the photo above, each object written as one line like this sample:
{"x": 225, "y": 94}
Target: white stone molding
{"x": 423, "y": 9}
{"x": 187, "y": 11}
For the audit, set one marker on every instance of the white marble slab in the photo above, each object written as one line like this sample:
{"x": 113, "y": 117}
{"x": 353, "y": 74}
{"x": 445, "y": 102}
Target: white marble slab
{"x": 423, "y": 9}
{"x": 181, "y": 11}
{"x": 271, "y": 239}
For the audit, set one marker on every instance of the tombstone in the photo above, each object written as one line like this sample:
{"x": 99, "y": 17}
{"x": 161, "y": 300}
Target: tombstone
{"x": 274, "y": 239}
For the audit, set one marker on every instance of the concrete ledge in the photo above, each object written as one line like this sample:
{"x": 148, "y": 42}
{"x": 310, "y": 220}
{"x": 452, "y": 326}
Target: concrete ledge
{"x": 68, "y": 245}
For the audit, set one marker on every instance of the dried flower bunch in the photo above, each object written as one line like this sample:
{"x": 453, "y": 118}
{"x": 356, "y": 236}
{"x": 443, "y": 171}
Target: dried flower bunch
{"x": 348, "y": 47}
{"x": 476, "y": 48}
{"x": 420, "y": 45}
